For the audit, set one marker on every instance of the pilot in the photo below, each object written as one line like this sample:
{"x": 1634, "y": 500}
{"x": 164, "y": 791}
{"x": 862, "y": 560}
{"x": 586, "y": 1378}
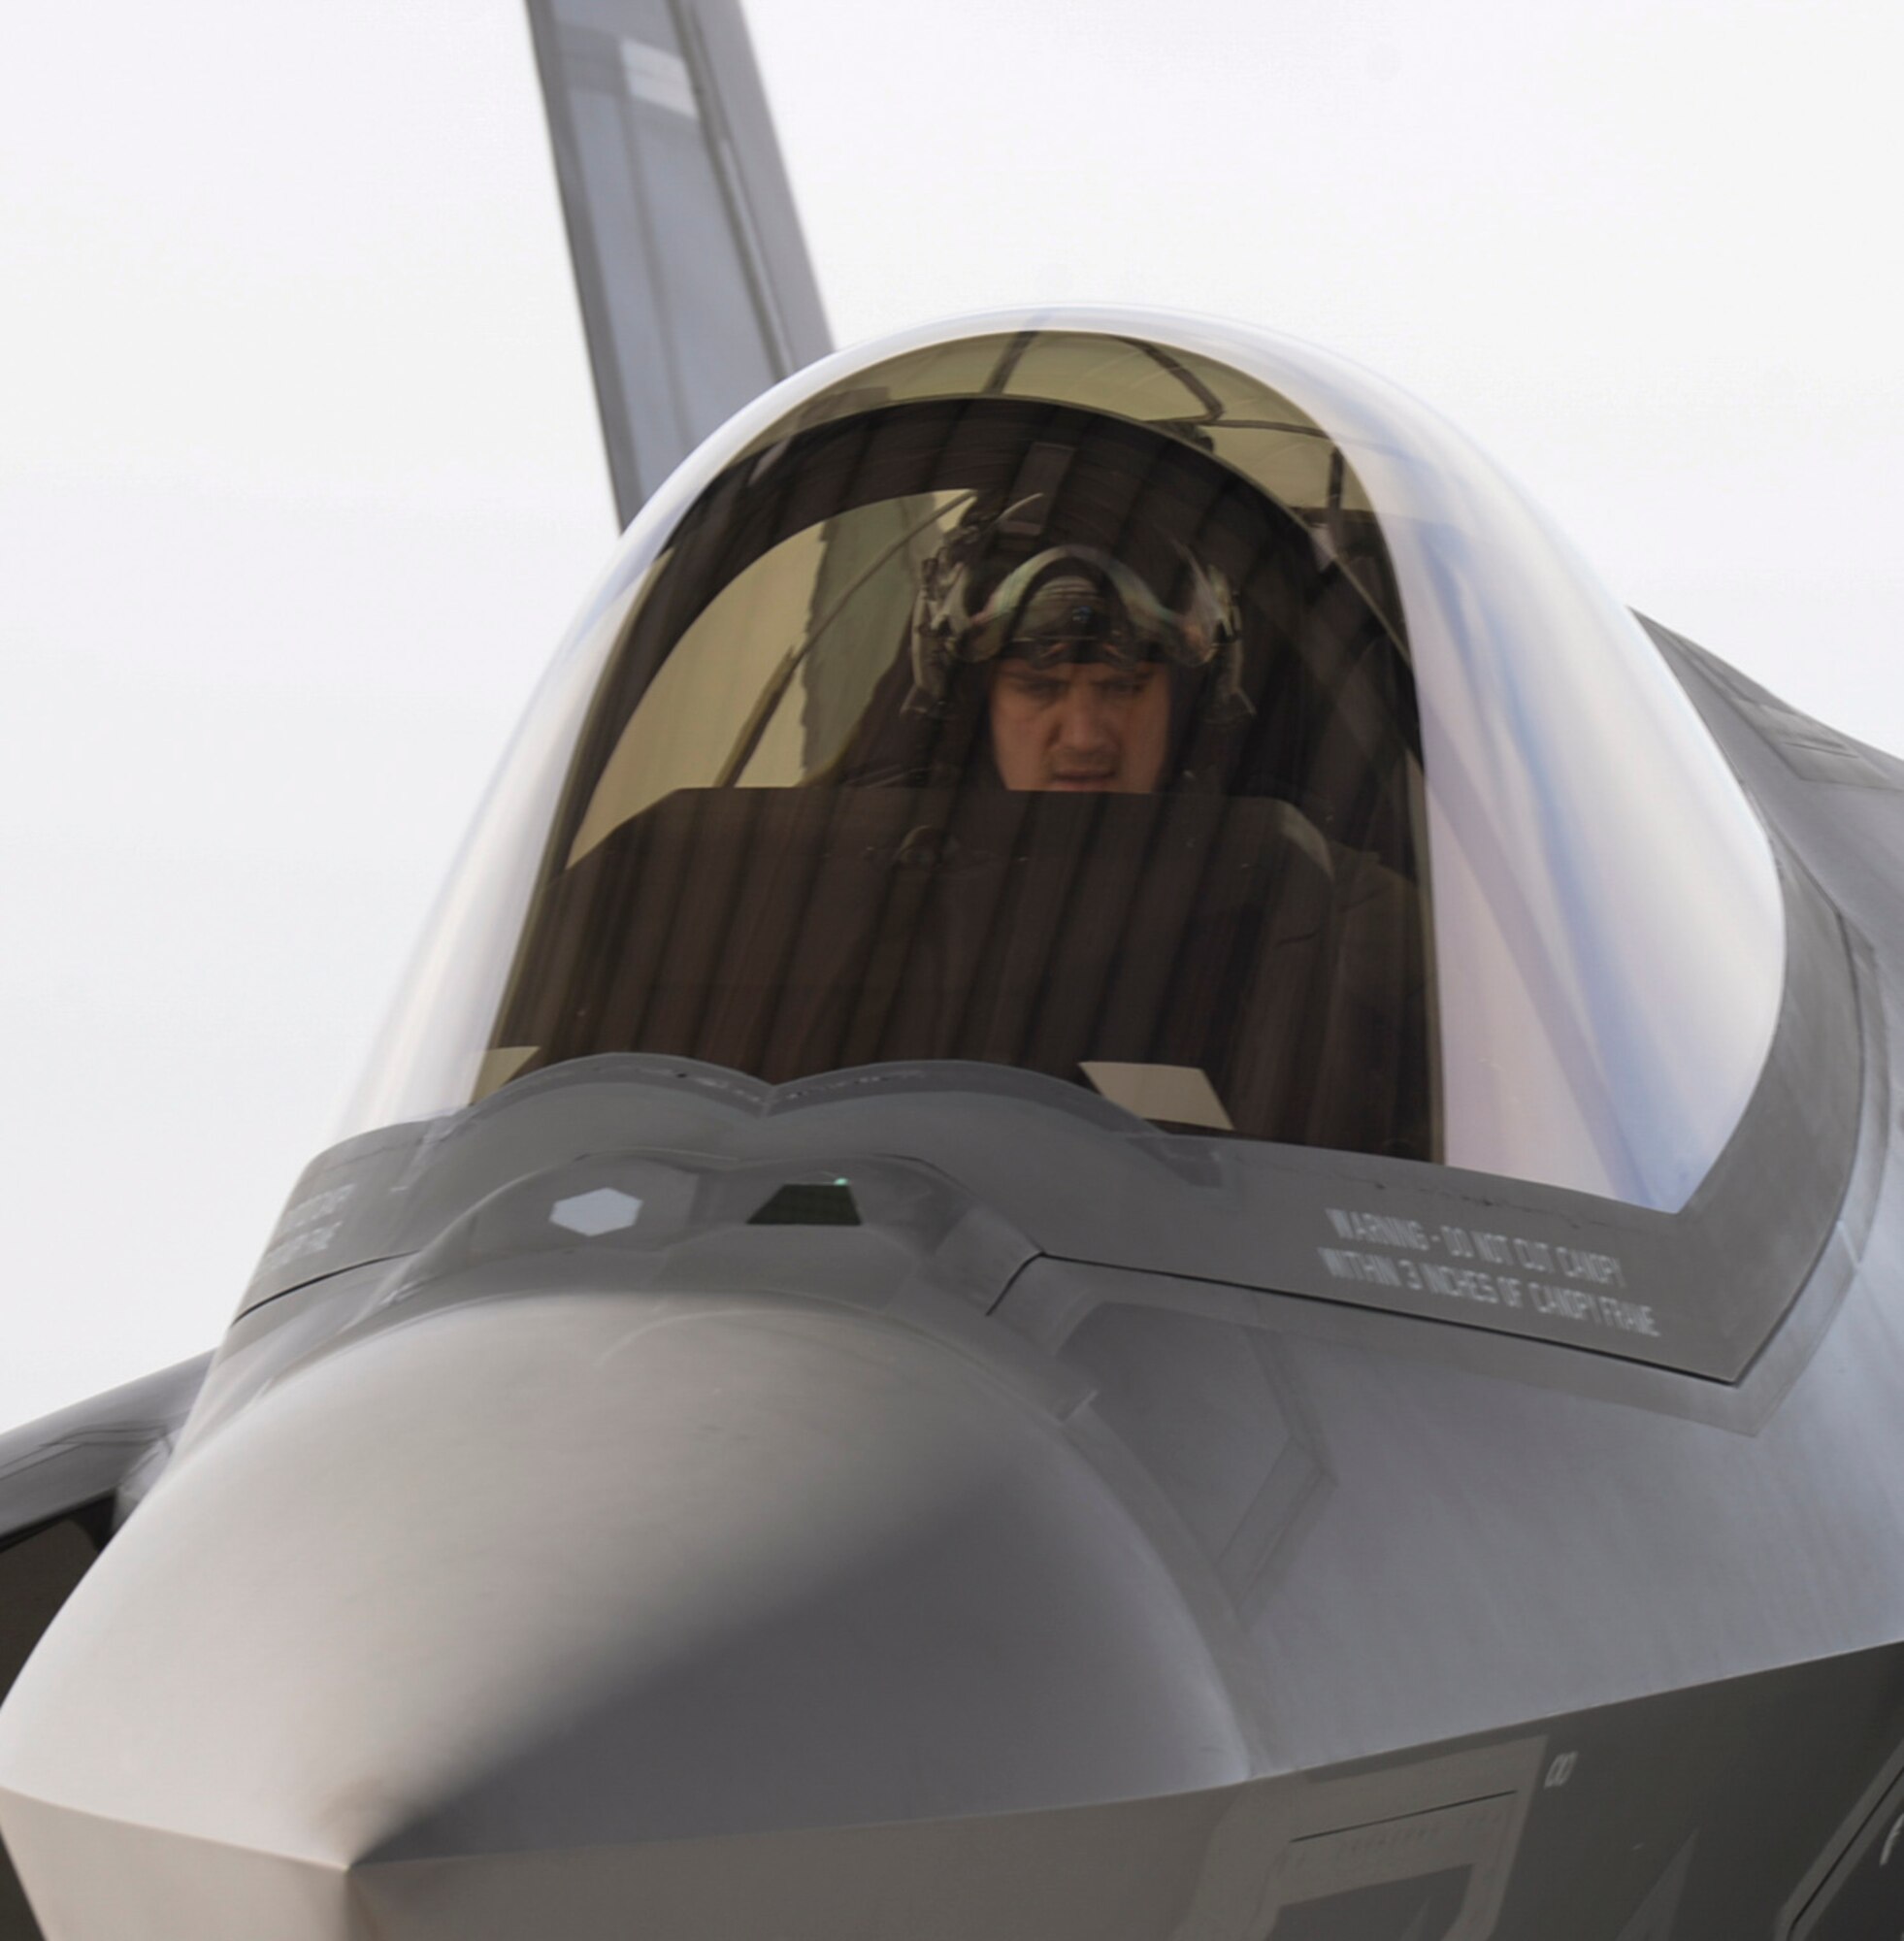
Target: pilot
{"x": 1091, "y": 681}
{"x": 1073, "y": 701}
{"x": 1034, "y": 665}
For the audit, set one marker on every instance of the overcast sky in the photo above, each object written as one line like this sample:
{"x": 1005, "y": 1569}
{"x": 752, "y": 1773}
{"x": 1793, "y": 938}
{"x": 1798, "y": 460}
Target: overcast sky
{"x": 299, "y": 476}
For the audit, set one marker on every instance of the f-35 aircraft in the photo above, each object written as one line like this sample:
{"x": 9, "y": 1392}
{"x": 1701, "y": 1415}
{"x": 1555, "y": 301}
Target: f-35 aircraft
{"x": 1139, "y": 1187}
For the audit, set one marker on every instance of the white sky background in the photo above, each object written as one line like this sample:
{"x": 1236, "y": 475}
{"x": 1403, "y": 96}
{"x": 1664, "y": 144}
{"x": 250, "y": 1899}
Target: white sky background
{"x": 299, "y": 477}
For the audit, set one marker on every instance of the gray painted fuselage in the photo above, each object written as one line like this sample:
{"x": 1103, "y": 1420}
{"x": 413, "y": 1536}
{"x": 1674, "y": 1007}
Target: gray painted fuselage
{"x": 580, "y": 1535}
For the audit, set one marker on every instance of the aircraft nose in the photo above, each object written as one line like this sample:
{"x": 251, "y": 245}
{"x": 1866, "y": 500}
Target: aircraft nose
{"x": 493, "y": 1621}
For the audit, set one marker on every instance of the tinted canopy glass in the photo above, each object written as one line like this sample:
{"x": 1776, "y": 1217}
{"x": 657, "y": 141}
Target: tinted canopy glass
{"x": 1215, "y": 731}
{"x": 999, "y": 731}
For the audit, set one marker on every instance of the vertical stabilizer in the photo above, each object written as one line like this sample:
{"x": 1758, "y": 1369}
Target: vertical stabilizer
{"x": 696, "y": 289}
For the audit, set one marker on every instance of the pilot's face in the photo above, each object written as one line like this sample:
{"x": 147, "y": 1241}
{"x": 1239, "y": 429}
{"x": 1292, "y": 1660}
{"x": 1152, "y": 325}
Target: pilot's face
{"x": 1080, "y": 726}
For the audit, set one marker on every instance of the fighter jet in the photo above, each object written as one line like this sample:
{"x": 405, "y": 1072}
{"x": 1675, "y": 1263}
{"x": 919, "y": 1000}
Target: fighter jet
{"x": 1133, "y": 1191}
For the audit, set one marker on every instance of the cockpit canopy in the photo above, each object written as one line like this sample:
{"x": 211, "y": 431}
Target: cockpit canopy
{"x": 1164, "y": 709}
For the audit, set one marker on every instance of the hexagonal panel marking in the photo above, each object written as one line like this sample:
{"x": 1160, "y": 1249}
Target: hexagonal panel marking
{"x": 605, "y": 1210}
